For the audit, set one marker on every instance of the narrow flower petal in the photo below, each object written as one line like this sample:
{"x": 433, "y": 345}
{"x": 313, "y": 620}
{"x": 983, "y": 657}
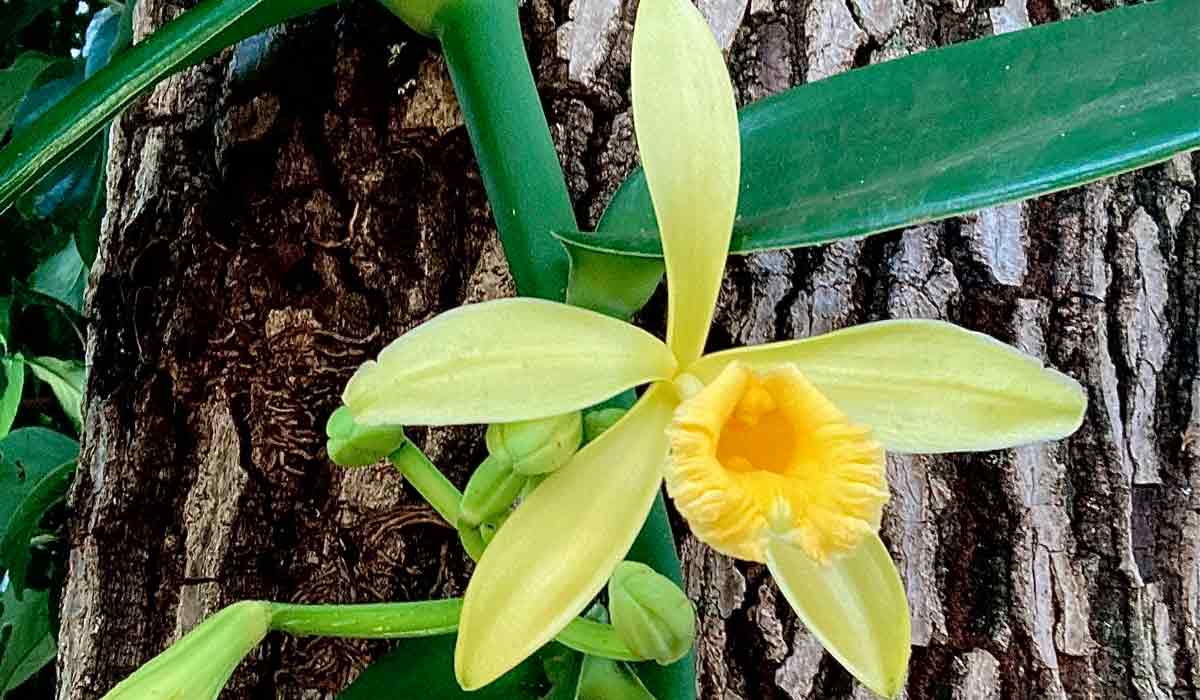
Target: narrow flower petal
{"x": 686, "y": 122}
{"x": 503, "y": 361}
{"x": 927, "y": 386}
{"x": 557, "y": 550}
{"x": 855, "y": 606}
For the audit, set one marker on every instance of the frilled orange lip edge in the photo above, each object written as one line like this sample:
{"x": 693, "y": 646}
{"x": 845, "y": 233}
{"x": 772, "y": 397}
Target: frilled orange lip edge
{"x": 757, "y": 455}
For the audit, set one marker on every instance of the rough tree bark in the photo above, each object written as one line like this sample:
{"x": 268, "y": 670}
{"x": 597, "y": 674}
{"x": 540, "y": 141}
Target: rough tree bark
{"x": 277, "y": 215}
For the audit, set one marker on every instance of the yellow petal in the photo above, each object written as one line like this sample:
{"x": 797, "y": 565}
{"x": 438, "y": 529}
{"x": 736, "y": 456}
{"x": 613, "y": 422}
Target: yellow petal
{"x": 927, "y": 386}
{"x": 686, "y": 123}
{"x": 855, "y": 606}
{"x": 503, "y": 361}
{"x": 557, "y": 550}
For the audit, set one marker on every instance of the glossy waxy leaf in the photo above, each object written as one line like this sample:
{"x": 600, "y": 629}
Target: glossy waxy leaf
{"x": 24, "y": 524}
{"x": 26, "y": 641}
{"x": 424, "y": 668}
{"x": 62, "y": 277}
{"x": 65, "y": 378}
{"x": 14, "y": 385}
{"x": 28, "y": 455}
{"x": 67, "y": 127}
{"x": 952, "y": 130}
{"x": 15, "y": 81}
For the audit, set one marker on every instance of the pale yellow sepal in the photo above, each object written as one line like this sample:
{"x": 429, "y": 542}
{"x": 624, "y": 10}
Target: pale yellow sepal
{"x": 855, "y": 606}
{"x": 198, "y": 665}
{"x": 927, "y": 386}
{"x": 557, "y": 550}
{"x": 503, "y": 361}
{"x": 685, "y": 118}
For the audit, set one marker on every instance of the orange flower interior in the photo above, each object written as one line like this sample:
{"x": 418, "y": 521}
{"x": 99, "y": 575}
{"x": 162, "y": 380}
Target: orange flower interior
{"x": 755, "y": 456}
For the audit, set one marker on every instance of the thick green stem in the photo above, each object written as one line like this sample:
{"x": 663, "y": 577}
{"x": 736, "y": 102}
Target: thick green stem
{"x": 485, "y": 52}
{"x": 428, "y": 480}
{"x": 423, "y": 619}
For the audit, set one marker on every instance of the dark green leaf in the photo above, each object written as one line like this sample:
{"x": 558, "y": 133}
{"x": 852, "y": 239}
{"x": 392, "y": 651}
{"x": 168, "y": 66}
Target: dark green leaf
{"x": 62, "y": 277}
{"x": 66, "y": 378}
{"x": 66, "y": 193}
{"x": 24, "y": 522}
{"x": 5, "y": 319}
{"x": 15, "y": 15}
{"x": 26, "y": 642}
{"x": 15, "y": 81}
{"x": 424, "y": 668}
{"x": 14, "y": 384}
{"x": 952, "y": 130}
{"x": 605, "y": 679}
{"x": 67, "y": 126}
{"x": 27, "y": 455}
{"x": 655, "y": 547}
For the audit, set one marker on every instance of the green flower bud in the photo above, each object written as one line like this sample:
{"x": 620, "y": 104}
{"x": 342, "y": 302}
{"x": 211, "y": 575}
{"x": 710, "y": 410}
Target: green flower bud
{"x": 354, "y": 445}
{"x": 536, "y": 446}
{"x": 201, "y": 662}
{"x": 490, "y": 492}
{"x": 650, "y": 613}
{"x": 596, "y": 422}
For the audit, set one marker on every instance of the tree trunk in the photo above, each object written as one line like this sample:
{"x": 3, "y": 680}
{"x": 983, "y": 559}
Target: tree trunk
{"x": 277, "y": 214}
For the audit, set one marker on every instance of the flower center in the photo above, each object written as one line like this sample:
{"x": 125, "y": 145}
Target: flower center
{"x": 767, "y": 455}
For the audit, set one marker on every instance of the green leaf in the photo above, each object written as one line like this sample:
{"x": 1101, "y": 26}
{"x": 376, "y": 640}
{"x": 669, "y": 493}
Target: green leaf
{"x": 23, "y": 524}
{"x": 66, "y": 378}
{"x": 14, "y": 384}
{"x": 26, "y": 638}
{"x": 424, "y": 668}
{"x": 952, "y": 130}
{"x": 67, "y": 126}
{"x": 15, "y": 15}
{"x": 15, "y": 81}
{"x": 62, "y": 277}
{"x": 27, "y": 455}
{"x": 605, "y": 679}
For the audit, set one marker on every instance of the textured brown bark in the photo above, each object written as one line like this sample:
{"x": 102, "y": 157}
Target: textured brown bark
{"x": 274, "y": 222}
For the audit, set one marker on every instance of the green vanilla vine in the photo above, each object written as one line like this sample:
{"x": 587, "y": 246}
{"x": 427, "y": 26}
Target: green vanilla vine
{"x": 424, "y": 619}
{"x": 485, "y": 53}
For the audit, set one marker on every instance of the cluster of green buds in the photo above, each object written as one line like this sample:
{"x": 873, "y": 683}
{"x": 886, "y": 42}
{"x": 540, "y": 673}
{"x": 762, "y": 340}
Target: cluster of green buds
{"x": 520, "y": 455}
{"x": 352, "y": 444}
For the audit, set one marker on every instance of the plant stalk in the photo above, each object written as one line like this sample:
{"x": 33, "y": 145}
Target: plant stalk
{"x": 485, "y": 52}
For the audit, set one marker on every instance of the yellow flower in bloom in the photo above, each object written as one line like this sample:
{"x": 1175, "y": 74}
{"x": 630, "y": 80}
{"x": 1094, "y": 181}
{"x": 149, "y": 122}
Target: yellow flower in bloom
{"x": 764, "y": 455}
{"x": 773, "y": 453}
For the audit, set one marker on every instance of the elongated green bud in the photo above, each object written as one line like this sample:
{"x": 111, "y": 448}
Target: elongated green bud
{"x": 650, "y": 613}
{"x": 490, "y": 492}
{"x": 596, "y": 422}
{"x": 354, "y": 445}
{"x": 201, "y": 662}
{"x": 536, "y": 446}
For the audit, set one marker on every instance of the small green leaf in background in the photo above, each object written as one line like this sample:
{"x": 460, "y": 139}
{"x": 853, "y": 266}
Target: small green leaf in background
{"x": 424, "y": 668}
{"x": 26, "y": 640}
{"x": 24, "y": 523}
{"x": 15, "y": 81}
{"x": 15, "y": 15}
{"x": 14, "y": 384}
{"x": 66, "y": 378}
{"x": 71, "y": 123}
{"x": 27, "y": 455}
{"x": 62, "y": 277}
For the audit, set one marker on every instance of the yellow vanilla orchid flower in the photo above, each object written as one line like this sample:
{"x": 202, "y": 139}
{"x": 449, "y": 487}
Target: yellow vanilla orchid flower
{"x": 773, "y": 454}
